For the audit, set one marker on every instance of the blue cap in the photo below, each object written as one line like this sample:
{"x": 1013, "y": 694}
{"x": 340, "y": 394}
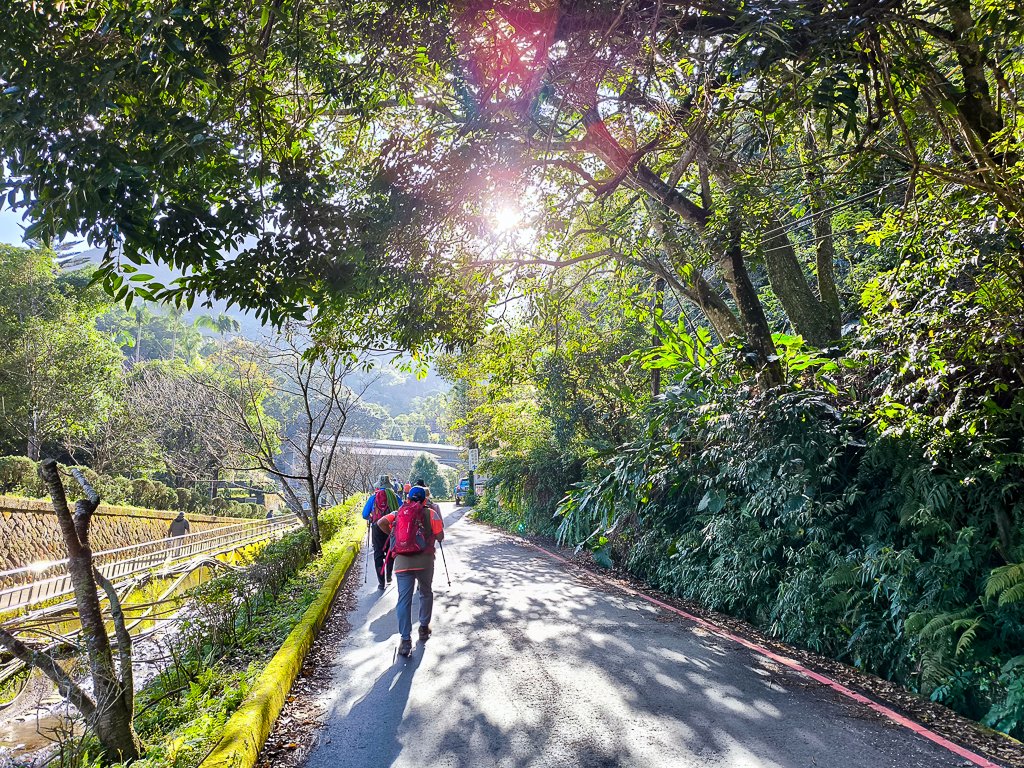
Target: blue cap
{"x": 417, "y": 494}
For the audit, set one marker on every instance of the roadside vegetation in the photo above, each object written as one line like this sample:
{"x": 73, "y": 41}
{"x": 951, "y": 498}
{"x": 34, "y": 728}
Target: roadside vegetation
{"x": 870, "y": 507}
{"x": 230, "y": 628}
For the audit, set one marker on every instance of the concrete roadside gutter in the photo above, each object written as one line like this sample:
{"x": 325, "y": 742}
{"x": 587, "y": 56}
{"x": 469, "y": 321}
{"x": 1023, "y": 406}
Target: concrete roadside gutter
{"x": 247, "y": 729}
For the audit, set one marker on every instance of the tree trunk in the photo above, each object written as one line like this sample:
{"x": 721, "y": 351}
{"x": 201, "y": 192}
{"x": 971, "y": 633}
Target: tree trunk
{"x": 659, "y": 307}
{"x": 810, "y": 317}
{"x": 700, "y": 293}
{"x": 716, "y": 310}
{"x": 825, "y": 252}
{"x": 975, "y": 100}
{"x": 295, "y": 504}
{"x": 111, "y": 717}
{"x": 316, "y": 544}
{"x": 786, "y": 276}
{"x": 34, "y": 446}
{"x": 755, "y": 324}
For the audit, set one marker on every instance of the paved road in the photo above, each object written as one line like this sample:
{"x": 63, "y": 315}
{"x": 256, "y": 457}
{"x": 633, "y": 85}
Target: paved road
{"x": 530, "y": 666}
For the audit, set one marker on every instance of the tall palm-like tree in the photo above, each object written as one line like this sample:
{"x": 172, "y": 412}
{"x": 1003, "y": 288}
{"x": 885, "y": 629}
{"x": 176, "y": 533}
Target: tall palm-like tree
{"x": 220, "y": 324}
{"x": 142, "y": 316}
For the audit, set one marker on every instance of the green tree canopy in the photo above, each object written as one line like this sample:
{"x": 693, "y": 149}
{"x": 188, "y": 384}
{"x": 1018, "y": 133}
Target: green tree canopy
{"x": 228, "y": 144}
{"x": 426, "y": 468}
{"x": 58, "y": 374}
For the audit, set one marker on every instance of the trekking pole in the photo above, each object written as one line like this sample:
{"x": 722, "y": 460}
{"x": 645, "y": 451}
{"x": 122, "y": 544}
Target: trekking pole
{"x": 366, "y": 554}
{"x": 443, "y": 560}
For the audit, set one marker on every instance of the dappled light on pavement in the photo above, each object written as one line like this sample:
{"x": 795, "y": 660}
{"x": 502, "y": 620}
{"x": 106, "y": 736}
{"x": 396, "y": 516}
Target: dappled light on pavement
{"x": 530, "y": 666}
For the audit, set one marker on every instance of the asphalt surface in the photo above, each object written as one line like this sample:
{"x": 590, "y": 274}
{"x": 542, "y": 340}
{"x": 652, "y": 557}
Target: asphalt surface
{"x": 531, "y": 666}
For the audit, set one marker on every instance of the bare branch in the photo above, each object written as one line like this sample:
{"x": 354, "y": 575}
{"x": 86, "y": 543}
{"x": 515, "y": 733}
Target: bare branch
{"x": 124, "y": 639}
{"x": 46, "y": 664}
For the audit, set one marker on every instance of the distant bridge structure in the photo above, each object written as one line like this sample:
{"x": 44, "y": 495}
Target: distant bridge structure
{"x": 452, "y": 455}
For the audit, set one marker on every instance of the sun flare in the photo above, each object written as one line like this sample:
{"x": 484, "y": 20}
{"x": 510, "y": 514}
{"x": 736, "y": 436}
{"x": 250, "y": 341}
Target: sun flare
{"x": 506, "y": 218}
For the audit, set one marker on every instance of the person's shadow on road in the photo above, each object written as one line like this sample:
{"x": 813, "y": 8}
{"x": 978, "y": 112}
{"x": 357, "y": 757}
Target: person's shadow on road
{"x": 379, "y": 713}
{"x": 383, "y": 627}
{"x": 386, "y": 625}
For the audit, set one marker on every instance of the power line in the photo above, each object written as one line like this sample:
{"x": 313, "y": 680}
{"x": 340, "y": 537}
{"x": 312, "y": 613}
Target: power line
{"x": 797, "y": 223}
{"x": 811, "y": 242}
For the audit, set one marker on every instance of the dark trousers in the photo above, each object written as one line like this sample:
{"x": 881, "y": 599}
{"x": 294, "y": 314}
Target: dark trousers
{"x": 380, "y": 549}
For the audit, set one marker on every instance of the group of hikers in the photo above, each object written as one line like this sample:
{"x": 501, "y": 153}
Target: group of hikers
{"x": 403, "y": 532}
{"x": 401, "y": 489}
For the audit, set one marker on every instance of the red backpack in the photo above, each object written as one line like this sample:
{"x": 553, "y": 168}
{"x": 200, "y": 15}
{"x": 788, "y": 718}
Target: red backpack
{"x": 380, "y": 506}
{"x": 412, "y": 532}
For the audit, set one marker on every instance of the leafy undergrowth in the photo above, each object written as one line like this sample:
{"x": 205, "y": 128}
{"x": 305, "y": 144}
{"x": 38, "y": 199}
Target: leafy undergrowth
{"x": 181, "y": 713}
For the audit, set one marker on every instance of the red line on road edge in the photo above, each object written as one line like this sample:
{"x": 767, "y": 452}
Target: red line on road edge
{"x": 896, "y": 717}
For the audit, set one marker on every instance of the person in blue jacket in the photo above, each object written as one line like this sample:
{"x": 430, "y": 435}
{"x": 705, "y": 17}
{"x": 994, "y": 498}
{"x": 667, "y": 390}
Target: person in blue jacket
{"x": 380, "y": 503}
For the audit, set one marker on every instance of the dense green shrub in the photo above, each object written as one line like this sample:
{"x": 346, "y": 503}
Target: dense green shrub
{"x": 143, "y": 491}
{"x": 225, "y": 607}
{"x": 240, "y": 509}
{"x": 523, "y": 490}
{"x": 166, "y": 497}
{"x": 872, "y": 510}
{"x": 778, "y": 508}
{"x": 199, "y": 500}
{"x": 19, "y": 474}
{"x": 114, "y": 490}
{"x": 183, "y": 499}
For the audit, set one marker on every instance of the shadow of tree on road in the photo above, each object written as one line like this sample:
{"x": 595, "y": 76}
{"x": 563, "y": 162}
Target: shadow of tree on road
{"x": 535, "y": 666}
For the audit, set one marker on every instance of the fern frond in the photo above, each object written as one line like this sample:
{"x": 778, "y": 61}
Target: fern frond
{"x": 844, "y": 575}
{"x": 943, "y": 624}
{"x": 968, "y": 637}
{"x": 1014, "y": 594}
{"x": 1004, "y": 579}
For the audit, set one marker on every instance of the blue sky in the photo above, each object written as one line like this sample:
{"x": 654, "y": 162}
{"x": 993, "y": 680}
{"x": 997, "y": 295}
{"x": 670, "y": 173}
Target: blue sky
{"x": 10, "y": 227}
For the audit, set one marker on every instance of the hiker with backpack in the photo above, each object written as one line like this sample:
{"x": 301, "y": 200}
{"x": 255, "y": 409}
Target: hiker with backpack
{"x": 380, "y": 503}
{"x": 412, "y": 531}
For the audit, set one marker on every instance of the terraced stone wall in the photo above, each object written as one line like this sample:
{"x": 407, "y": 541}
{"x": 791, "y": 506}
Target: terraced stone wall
{"x": 29, "y": 531}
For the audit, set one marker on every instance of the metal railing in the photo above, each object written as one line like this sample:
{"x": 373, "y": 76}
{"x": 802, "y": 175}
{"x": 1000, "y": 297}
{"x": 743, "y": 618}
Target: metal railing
{"x": 117, "y": 564}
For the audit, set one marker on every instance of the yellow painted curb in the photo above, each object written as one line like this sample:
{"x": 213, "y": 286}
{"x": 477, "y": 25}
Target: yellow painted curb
{"x": 248, "y": 728}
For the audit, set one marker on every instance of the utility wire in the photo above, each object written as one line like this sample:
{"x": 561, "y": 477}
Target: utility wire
{"x": 797, "y": 223}
{"x": 811, "y": 242}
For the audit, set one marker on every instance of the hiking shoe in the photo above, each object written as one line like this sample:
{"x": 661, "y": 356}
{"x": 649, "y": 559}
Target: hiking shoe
{"x": 424, "y": 633}
{"x": 405, "y": 647}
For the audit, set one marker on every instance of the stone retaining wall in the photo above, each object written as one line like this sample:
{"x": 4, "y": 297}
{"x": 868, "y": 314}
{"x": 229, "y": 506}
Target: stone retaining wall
{"x": 29, "y": 531}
